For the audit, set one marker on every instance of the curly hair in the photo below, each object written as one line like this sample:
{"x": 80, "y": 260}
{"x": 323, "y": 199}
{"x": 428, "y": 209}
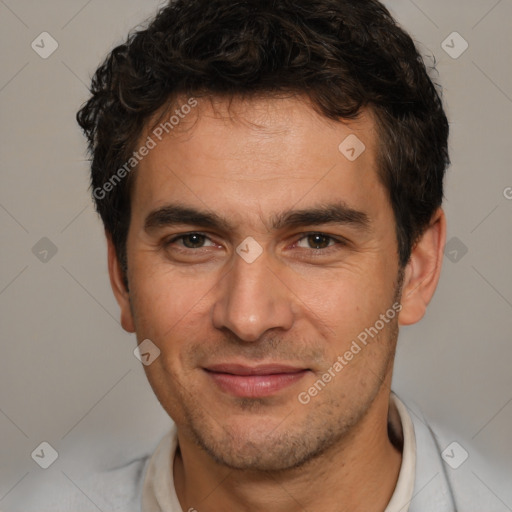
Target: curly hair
{"x": 344, "y": 55}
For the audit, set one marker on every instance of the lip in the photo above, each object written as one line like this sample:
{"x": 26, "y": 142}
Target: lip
{"x": 254, "y": 381}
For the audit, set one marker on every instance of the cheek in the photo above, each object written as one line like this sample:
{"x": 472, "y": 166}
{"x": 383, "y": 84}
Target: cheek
{"x": 166, "y": 302}
{"x": 346, "y": 303}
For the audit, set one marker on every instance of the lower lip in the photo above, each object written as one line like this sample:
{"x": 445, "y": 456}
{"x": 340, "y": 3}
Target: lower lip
{"x": 255, "y": 386}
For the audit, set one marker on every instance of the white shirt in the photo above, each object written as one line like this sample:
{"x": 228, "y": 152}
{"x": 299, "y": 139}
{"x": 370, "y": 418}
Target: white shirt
{"x": 426, "y": 483}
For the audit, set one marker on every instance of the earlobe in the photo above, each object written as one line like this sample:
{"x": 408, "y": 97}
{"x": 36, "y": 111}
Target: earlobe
{"x": 423, "y": 271}
{"x": 118, "y": 287}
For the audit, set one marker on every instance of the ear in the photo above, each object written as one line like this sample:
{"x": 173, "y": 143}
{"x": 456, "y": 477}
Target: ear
{"x": 423, "y": 270}
{"x": 118, "y": 287}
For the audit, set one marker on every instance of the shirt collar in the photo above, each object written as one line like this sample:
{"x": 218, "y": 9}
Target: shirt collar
{"x": 159, "y": 494}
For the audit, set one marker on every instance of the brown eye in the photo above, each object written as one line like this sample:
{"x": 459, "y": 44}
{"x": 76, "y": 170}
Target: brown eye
{"x": 190, "y": 241}
{"x": 193, "y": 241}
{"x": 317, "y": 241}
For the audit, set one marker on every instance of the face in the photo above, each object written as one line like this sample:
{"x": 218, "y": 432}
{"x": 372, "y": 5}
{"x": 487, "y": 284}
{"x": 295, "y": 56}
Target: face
{"x": 258, "y": 253}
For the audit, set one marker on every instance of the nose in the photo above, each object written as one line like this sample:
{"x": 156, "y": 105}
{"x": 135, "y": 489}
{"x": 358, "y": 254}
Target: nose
{"x": 252, "y": 300}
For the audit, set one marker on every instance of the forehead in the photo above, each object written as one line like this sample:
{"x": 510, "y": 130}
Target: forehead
{"x": 254, "y": 155}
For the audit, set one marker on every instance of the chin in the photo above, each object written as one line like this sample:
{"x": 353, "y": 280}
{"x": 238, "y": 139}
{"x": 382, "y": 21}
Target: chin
{"x": 263, "y": 447}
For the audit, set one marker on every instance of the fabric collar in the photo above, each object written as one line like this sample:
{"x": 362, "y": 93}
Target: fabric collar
{"x": 159, "y": 494}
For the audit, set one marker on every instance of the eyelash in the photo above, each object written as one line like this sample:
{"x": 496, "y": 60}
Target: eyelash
{"x": 316, "y": 252}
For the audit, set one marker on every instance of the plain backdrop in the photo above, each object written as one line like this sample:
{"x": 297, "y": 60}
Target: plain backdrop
{"x": 68, "y": 375}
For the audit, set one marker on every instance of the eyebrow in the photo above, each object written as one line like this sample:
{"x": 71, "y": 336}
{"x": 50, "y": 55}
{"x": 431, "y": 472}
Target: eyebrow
{"x": 337, "y": 213}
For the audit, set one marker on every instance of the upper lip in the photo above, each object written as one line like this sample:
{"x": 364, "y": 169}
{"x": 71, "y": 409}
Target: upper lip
{"x": 265, "y": 369}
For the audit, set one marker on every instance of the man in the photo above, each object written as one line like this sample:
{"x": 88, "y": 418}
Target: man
{"x": 270, "y": 178}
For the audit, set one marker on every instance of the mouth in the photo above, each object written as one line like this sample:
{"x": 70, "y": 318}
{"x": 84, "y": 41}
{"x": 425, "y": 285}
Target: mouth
{"x": 254, "y": 381}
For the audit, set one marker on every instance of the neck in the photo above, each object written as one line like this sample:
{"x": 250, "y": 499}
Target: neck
{"x": 359, "y": 473}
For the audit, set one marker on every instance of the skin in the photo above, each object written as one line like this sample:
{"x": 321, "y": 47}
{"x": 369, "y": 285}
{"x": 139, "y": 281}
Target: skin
{"x": 301, "y": 302}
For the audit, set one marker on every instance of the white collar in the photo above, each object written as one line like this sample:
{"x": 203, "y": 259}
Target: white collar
{"x": 406, "y": 478}
{"x": 159, "y": 494}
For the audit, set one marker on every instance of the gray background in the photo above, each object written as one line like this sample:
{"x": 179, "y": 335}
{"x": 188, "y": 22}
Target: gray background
{"x": 68, "y": 375}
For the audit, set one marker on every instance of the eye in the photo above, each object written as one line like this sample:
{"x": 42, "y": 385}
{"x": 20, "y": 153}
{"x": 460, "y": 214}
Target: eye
{"x": 318, "y": 241}
{"x": 190, "y": 241}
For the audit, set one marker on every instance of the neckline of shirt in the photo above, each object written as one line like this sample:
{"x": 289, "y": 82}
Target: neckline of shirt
{"x": 159, "y": 494}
